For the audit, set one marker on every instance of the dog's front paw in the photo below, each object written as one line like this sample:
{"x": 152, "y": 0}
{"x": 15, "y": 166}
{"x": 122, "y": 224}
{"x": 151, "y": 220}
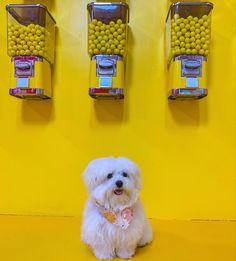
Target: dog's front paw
{"x": 103, "y": 254}
{"x": 125, "y": 253}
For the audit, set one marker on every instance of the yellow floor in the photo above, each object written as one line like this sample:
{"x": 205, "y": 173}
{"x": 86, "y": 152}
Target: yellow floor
{"x": 58, "y": 238}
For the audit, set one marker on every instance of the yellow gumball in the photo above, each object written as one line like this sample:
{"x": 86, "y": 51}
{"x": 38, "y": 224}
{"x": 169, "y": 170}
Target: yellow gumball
{"x": 201, "y": 51}
{"x": 35, "y": 52}
{"x": 178, "y": 34}
{"x": 185, "y": 21}
{"x": 31, "y": 48}
{"x": 22, "y": 52}
{"x": 182, "y": 50}
{"x": 103, "y": 49}
{"x": 112, "y": 23}
{"x": 190, "y": 18}
{"x": 122, "y": 52}
{"x": 112, "y": 46}
{"x": 94, "y": 22}
{"x": 99, "y": 23}
{"x": 116, "y": 51}
{"x": 206, "y": 52}
{"x": 90, "y": 51}
{"x": 192, "y": 23}
{"x": 177, "y": 28}
{"x": 109, "y": 51}
{"x": 119, "y": 21}
{"x": 187, "y": 40}
{"x": 123, "y": 26}
{"x": 188, "y": 51}
{"x": 192, "y": 39}
{"x": 177, "y": 42}
{"x": 27, "y": 52}
{"x": 200, "y": 21}
{"x": 194, "y": 51}
{"x": 119, "y": 46}
{"x": 182, "y": 44}
{"x": 203, "y": 39}
{"x": 187, "y": 26}
{"x": 187, "y": 34}
{"x": 195, "y": 19}
{"x": 187, "y": 46}
{"x": 96, "y": 51}
{"x": 204, "y": 17}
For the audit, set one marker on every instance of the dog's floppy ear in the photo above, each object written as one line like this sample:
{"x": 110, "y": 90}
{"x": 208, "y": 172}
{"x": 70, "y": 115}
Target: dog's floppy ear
{"x": 89, "y": 177}
{"x": 96, "y": 171}
{"x": 133, "y": 169}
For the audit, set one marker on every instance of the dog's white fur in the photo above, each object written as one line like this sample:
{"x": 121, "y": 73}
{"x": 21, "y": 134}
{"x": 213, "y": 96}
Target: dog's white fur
{"x": 108, "y": 240}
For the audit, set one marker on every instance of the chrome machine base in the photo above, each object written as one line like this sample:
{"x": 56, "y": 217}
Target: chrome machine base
{"x": 29, "y": 93}
{"x": 106, "y": 93}
{"x": 187, "y": 94}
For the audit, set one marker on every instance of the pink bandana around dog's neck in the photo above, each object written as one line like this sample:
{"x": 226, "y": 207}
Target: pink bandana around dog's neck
{"x": 121, "y": 219}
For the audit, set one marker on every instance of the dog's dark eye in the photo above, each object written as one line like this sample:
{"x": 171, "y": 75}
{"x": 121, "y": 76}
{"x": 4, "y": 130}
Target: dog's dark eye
{"x": 125, "y": 174}
{"x": 109, "y": 176}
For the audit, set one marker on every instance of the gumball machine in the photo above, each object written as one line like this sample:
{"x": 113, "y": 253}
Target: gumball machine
{"x": 31, "y": 43}
{"x": 107, "y": 47}
{"x": 188, "y": 34}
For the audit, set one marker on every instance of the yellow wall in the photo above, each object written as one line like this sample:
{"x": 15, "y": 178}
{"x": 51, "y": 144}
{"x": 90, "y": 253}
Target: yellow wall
{"x": 186, "y": 150}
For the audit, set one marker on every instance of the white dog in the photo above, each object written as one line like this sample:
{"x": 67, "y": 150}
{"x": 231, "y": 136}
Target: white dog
{"x": 114, "y": 222}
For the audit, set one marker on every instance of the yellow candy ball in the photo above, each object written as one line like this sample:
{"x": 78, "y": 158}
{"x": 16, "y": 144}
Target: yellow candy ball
{"x": 122, "y": 52}
{"x": 119, "y": 31}
{"x": 103, "y": 49}
{"x": 187, "y": 40}
{"x": 122, "y": 42}
{"x": 182, "y": 50}
{"x": 119, "y": 21}
{"x": 181, "y": 38}
{"x": 192, "y": 23}
{"x": 204, "y": 47}
{"x": 99, "y": 23}
{"x": 192, "y": 28}
{"x": 90, "y": 51}
{"x": 177, "y": 28}
{"x": 107, "y": 45}
{"x": 119, "y": 46}
{"x": 187, "y": 26}
{"x": 105, "y": 38}
{"x": 119, "y": 37}
{"x": 112, "y": 30}
{"x": 198, "y": 47}
{"x": 182, "y": 25}
{"x": 203, "y": 39}
{"x": 109, "y": 51}
{"x": 39, "y": 32}
{"x": 116, "y": 51}
{"x": 94, "y": 21}
{"x": 116, "y": 26}
{"x": 116, "y": 42}
{"x": 188, "y": 51}
{"x": 99, "y": 46}
{"x": 185, "y": 21}
{"x": 194, "y": 51}
{"x": 12, "y": 53}
{"x": 25, "y": 47}
{"x": 174, "y": 38}
{"x": 111, "y": 41}
{"x": 112, "y": 46}
{"x": 192, "y": 39}
{"x": 200, "y": 21}
{"x": 35, "y": 52}
{"x": 103, "y": 42}
{"x": 207, "y": 37}
{"x": 22, "y": 52}
{"x": 178, "y": 34}
{"x": 187, "y": 34}
{"x": 182, "y": 44}
{"x": 184, "y": 30}
{"x": 176, "y": 16}
{"x": 31, "y": 48}
{"x": 91, "y": 26}
{"x": 95, "y": 51}
{"x": 177, "y": 42}
{"x": 197, "y": 31}
{"x": 112, "y": 23}
{"x": 38, "y": 47}
{"x": 201, "y": 51}
{"x": 204, "y": 17}
{"x": 187, "y": 46}
{"x": 197, "y": 36}
{"x": 97, "y": 28}
{"x": 122, "y": 26}
{"x": 193, "y": 45}
{"x": 198, "y": 41}
{"x": 16, "y": 33}
{"x": 206, "y": 52}
{"x": 27, "y": 52}
{"x": 189, "y": 17}
{"x": 195, "y": 19}
{"x": 115, "y": 34}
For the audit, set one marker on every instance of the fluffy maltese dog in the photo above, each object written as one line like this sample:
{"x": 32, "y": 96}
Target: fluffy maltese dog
{"x": 114, "y": 222}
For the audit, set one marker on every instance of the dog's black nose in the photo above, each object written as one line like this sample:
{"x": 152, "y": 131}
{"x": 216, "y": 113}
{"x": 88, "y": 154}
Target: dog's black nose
{"x": 119, "y": 183}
